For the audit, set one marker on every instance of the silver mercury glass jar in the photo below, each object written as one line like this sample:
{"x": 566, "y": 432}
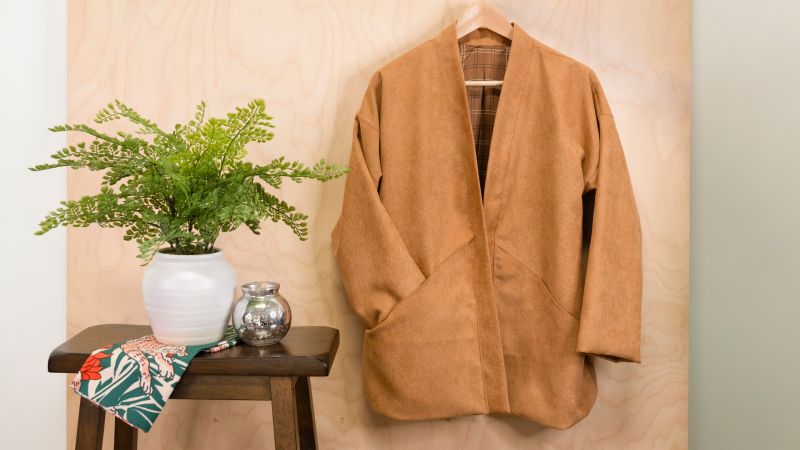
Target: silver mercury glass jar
{"x": 261, "y": 316}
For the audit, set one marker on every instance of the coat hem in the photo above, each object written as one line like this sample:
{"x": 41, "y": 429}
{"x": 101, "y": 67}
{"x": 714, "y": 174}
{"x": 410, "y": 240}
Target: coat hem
{"x": 577, "y": 418}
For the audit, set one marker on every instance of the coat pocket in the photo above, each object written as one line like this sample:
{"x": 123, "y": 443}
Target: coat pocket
{"x": 441, "y": 274}
{"x": 422, "y": 360}
{"x": 523, "y": 293}
{"x": 545, "y": 371}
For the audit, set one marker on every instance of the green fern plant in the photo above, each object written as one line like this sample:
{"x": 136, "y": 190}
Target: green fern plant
{"x": 177, "y": 191}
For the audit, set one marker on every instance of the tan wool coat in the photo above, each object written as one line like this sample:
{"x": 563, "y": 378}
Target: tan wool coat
{"x": 490, "y": 301}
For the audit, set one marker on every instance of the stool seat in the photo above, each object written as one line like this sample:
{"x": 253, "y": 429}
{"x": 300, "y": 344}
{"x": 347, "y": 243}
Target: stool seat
{"x": 279, "y": 373}
{"x": 305, "y": 351}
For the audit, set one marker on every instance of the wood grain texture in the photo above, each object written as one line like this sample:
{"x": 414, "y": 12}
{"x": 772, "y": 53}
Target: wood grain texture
{"x": 311, "y": 61}
{"x": 284, "y": 413}
{"x": 126, "y": 437}
{"x": 90, "y": 426}
{"x": 304, "y": 404}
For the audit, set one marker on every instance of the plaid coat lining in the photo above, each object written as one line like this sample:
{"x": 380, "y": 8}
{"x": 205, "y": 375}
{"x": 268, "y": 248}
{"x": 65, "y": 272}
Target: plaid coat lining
{"x": 483, "y": 63}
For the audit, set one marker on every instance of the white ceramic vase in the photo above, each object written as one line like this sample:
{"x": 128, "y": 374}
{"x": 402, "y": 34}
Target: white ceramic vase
{"x": 188, "y": 297}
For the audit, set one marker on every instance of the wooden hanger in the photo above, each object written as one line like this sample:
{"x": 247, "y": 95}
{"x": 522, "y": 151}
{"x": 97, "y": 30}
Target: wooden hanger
{"x": 483, "y": 15}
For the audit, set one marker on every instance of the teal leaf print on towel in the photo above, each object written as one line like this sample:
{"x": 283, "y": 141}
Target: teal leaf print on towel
{"x": 134, "y": 379}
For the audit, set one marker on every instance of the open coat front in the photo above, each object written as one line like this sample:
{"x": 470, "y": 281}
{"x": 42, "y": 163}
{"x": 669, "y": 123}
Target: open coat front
{"x": 484, "y": 301}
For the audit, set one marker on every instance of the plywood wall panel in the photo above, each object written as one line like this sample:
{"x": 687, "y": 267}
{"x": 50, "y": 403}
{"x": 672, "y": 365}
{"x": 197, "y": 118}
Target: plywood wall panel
{"x": 311, "y": 61}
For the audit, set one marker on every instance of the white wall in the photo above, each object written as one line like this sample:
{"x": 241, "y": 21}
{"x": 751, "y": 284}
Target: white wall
{"x": 745, "y": 295}
{"x": 32, "y": 269}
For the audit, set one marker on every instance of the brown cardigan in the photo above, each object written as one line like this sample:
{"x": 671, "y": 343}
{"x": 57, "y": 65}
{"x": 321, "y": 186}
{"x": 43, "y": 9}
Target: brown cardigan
{"x": 489, "y": 306}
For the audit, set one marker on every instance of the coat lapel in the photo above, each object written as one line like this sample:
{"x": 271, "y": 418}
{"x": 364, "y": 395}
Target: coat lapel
{"x": 515, "y": 87}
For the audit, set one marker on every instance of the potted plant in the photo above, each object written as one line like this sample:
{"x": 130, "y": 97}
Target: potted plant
{"x": 174, "y": 192}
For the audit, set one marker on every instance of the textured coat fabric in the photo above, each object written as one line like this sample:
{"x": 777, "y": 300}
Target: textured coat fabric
{"x": 493, "y": 303}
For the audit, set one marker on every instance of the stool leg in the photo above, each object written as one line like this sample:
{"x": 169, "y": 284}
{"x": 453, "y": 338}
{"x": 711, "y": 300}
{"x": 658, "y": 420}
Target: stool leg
{"x": 90, "y": 426}
{"x": 125, "y": 436}
{"x": 284, "y": 412}
{"x": 305, "y": 414}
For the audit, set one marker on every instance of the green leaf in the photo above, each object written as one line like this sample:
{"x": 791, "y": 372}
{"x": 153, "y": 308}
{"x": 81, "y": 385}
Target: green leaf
{"x": 177, "y": 191}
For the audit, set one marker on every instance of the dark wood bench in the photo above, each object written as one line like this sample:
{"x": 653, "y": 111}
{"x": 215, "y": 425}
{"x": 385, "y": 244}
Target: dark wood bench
{"x": 278, "y": 372}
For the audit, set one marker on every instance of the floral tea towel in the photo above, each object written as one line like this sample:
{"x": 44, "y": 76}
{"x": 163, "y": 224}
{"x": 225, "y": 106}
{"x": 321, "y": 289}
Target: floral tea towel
{"x": 134, "y": 379}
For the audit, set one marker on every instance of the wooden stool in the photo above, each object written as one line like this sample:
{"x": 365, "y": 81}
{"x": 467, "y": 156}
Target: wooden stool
{"x": 278, "y": 372}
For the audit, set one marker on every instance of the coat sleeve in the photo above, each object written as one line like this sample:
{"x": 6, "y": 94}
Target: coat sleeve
{"x": 376, "y": 268}
{"x": 610, "y": 317}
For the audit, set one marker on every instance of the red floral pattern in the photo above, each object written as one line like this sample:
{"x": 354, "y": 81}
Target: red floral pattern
{"x": 109, "y": 378}
{"x": 90, "y": 370}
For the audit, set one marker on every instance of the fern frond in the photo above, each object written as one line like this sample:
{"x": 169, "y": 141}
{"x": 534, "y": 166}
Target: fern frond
{"x": 178, "y": 191}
